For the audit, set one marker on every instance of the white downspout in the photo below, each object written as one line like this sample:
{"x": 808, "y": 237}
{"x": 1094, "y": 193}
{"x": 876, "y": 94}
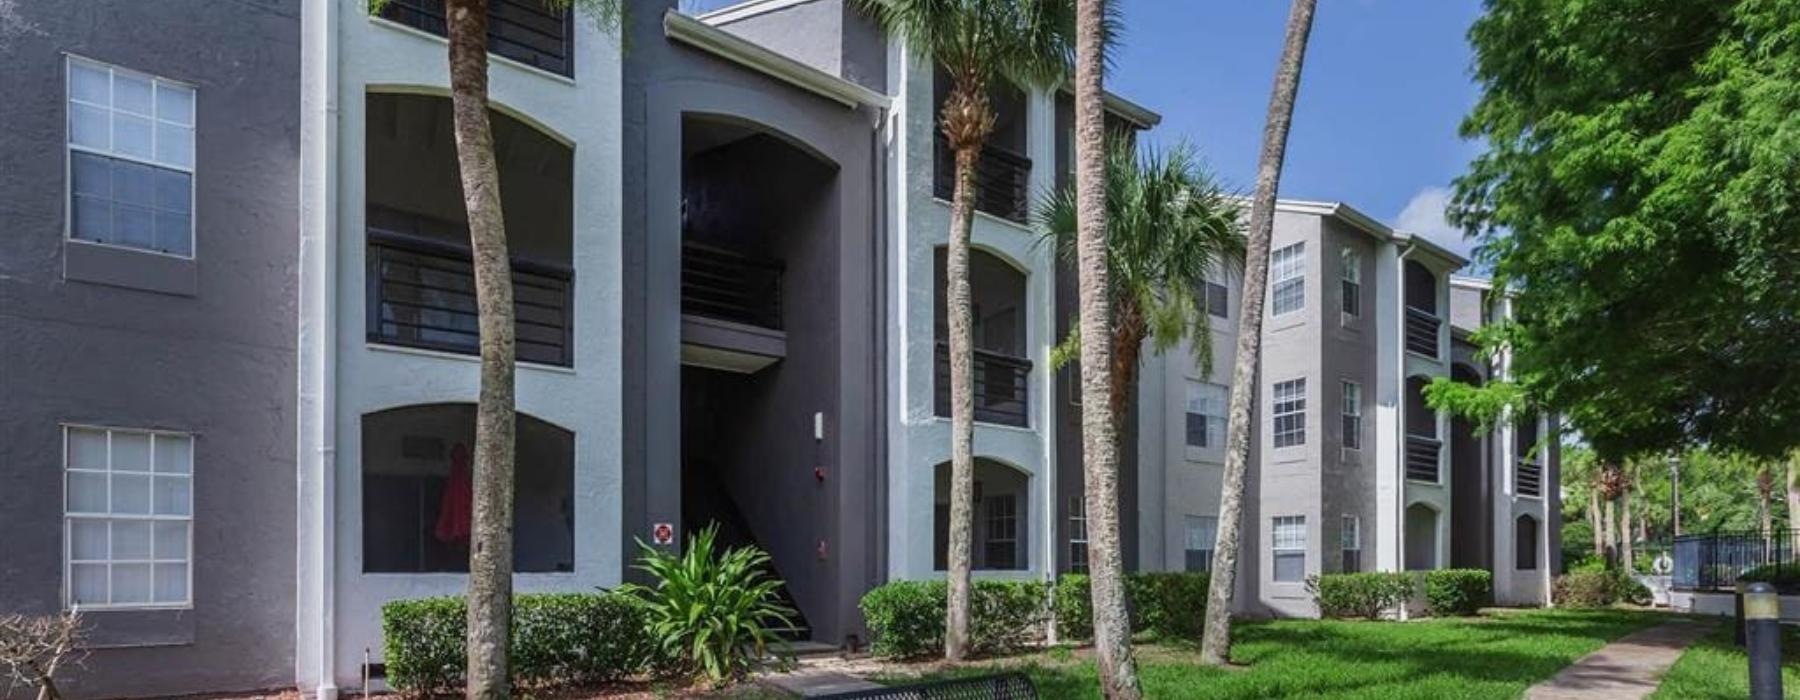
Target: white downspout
{"x": 1400, "y": 410}
{"x": 317, "y": 338}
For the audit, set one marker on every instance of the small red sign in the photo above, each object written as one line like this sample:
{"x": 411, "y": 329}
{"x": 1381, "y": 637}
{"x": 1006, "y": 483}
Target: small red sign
{"x": 662, "y": 534}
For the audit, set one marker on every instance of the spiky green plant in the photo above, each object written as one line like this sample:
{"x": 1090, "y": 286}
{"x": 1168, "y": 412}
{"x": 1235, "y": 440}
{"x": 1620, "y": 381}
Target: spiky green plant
{"x": 711, "y": 612}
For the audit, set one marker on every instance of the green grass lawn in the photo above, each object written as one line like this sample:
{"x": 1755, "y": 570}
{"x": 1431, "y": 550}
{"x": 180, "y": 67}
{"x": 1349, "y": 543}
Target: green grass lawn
{"x": 1487, "y": 657}
{"x": 1715, "y": 668}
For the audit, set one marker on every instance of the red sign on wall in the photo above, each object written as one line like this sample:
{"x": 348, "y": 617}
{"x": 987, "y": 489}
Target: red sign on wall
{"x": 662, "y": 534}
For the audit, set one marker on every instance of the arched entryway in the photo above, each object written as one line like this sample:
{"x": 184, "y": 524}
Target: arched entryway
{"x": 1001, "y": 530}
{"x": 1421, "y": 537}
{"x": 417, "y": 484}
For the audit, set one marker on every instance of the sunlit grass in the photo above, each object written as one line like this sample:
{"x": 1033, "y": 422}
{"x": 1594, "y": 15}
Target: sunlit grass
{"x": 1488, "y": 657}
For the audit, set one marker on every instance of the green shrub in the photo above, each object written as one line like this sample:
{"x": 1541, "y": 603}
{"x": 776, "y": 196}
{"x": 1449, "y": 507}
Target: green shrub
{"x": 1170, "y": 604}
{"x": 1453, "y": 592}
{"x": 1628, "y": 589}
{"x": 1074, "y": 607}
{"x": 1585, "y": 589}
{"x": 711, "y": 612}
{"x": 558, "y": 638}
{"x": 1367, "y": 595}
{"x": 906, "y": 618}
{"x": 1173, "y": 605}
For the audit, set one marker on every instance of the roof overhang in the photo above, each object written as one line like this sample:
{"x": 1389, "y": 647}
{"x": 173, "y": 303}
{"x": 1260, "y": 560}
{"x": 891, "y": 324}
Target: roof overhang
{"x": 743, "y": 52}
{"x": 1140, "y": 116}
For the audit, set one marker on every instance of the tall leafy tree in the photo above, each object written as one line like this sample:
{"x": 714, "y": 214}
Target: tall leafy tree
{"x": 1636, "y": 195}
{"x": 977, "y": 42}
{"x": 491, "y": 536}
{"x": 1170, "y": 225}
{"x": 1215, "y": 644}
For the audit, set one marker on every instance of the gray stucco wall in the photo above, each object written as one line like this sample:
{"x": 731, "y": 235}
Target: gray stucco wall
{"x": 215, "y": 360}
{"x": 1348, "y": 353}
{"x": 830, "y": 35}
{"x": 662, "y": 82}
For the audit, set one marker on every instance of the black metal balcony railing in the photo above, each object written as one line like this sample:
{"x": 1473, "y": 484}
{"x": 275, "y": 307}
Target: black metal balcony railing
{"x": 1002, "y": 180}
{"x": 722, "y": 284}
{"x": 1422, "y": 458}
{"x": 421, "y": 294}
{"x": 1529, "y": 479}
{"x": 1422, "y": 331}
{"x": 527, "y": 31}
{"x": 1715, "y": 561}
{"x": 1002, "y": 386}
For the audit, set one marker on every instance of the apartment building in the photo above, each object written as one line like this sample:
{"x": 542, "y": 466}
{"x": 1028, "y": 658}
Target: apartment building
{"x": 147, "y": 338}
{"x": 1350, "y": 470}
{"x": 238, "y": 334}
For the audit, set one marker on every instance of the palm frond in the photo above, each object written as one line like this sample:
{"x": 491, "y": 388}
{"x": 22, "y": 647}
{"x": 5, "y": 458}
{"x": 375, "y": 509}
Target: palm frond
{"x": 1170, "y": 227}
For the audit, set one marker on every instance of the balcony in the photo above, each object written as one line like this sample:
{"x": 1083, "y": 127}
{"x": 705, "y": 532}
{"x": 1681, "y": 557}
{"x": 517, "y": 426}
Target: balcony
{"x": 1422, "y": 458}
{"x": 421, "y": 294}
{"x": 730, "y": 310}
{"x": 1002, "y": 181}
{"x": 1422, "y": 332}
{"x": 1002, "y": 386}
{"x": 1528, "y": 479}
{"x": 526, "y": 31}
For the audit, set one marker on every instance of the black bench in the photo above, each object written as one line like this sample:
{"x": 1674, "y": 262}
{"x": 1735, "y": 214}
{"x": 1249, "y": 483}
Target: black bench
{"x": 1004, "y": 686}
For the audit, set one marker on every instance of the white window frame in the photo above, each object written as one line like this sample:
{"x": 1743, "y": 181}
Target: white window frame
{"x": 1207, "y": 390}
{"x": 1285, "y": 541}
{"x": 1287, "y": 270}
{"x": 1350, "y": 279}
{"x": 998, "y": 520}
{"x": 1206, "y": 296}
{"x": 1078, "y": 534}
{"x": 1208, "y": 541}
{"x": 70, "y": 148}
{"x": 71, "y": 517}
{"x": 1352, "y": 415}
{"x": 1350, "y": 540}
{"x": 1289, "y": 401}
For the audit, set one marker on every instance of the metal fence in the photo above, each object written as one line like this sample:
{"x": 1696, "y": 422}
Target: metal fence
{"x": 1007, "y": 686}
{"x": 1715, "y": 561}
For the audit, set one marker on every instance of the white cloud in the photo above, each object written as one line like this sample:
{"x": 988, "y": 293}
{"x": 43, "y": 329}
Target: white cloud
{"x": 1424, "y": 216}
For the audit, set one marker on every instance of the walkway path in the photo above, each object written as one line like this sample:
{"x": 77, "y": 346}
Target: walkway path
{"x": 1626, "y": 669}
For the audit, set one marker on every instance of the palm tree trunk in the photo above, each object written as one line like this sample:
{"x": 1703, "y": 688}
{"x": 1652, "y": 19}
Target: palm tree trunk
{"x": 491, "y": 545}
{"x": 1099, "y": 417}
{"x": 1595, "y": 524}
{"x": 962, "y": 407}
{"x": 1625, "y": 557}
{"x": 1215, "y": 645}
{"x": 1611, "y": 534}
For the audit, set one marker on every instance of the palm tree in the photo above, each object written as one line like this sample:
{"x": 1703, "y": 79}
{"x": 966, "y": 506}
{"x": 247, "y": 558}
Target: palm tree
{"x": 1027, "y": 43}
{"x": 1215, "y": 644}
{"x": 1169, "y": 224}
{"x": 1099, "y": 427}
{"x": 491, "y": 537}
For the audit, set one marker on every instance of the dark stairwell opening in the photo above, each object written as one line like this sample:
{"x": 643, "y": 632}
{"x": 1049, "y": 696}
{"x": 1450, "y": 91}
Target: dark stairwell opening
{"x": 760, "y": 328}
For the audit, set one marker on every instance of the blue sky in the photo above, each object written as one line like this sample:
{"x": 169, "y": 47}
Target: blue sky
{"x": 1386, "y": 84}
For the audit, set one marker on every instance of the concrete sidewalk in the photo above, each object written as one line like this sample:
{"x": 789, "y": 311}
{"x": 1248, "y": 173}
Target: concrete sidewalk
{"x": 1626, "y": 669}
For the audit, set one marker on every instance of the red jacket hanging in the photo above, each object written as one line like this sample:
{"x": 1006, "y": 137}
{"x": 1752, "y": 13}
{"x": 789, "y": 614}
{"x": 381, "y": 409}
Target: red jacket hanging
{"x": 456, "y": 508}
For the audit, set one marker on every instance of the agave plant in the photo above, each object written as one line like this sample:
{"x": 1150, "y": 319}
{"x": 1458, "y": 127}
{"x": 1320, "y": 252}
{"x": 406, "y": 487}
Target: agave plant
{"x": 711, "y": 611}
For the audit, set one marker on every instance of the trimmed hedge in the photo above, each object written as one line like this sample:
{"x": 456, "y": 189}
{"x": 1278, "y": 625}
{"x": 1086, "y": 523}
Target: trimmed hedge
{"x": 1169, "y": 604}
{"x": 1598, "y": 589}
{"x": 1457, "y": 592}
{"x": 556, "y": 638}
{"x": 1367, "y": 595}
{"x": 906, "y": 618}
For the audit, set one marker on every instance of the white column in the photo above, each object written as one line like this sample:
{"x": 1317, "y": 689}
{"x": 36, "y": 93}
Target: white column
{"x": 1388, "y": 390}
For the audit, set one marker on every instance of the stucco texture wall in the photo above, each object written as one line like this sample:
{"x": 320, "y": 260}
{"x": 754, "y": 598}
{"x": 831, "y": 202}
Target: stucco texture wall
{"x": 217, "y": 363}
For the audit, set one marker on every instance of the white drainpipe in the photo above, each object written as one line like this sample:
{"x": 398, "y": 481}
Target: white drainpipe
{"x": 317, "y": 337}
